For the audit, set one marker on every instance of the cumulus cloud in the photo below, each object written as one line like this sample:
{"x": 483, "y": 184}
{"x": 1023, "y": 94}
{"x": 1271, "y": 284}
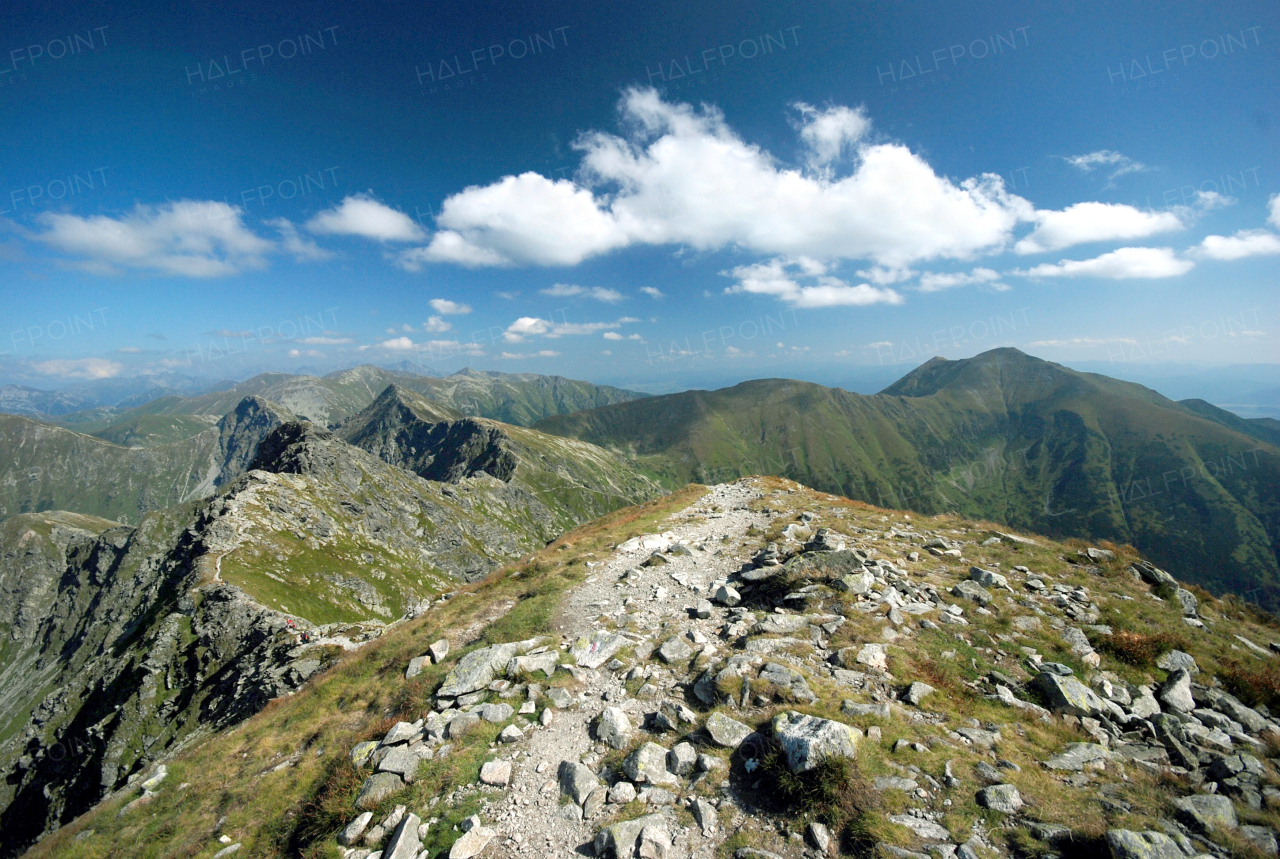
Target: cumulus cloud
{"x": 1120, "y": 264}
{"x": 1094, "y": 222}
{"x": 191, "y": 238}
{"x": 436, "y": 325}
{"x": 880, "y": 275}
{"x": 302, "y": 248}
{"x": 829, "y": 133}
{"x": 805, "y": 282}
{"x": 78, "y": 368}
{"x": 1245, "y": 243}
{"x": 532, "y": 326}
{"x": 1115, "y": 164}
{"x": 934, "y": 282}
{"x": 130, "y": 350}
{"x": 326, "y": 341}
{"x": 1273, "y": 206}
{"x": 398, "y": 344}
{"x": 682, "y": 176}
{"x": 449, "y": 308}
{"x": 653, "y": 292}
{"x": 614, "y": 335}
{"x": 544, "y": 353}
{"x": 361, "y": 215}
{"x": 599, "y": 293}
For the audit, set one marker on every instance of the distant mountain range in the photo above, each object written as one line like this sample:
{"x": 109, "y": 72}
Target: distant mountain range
{"x": 1003, "y": 436}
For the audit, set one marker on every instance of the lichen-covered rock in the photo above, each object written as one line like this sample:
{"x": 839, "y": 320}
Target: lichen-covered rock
{"x": 725, "y": 732}
{"x": 809, "y": 740}
{"x": 648, "y": 765}
{"x": 619, "y": 841}
{"x": 614, "y": 728}
{"x": 478, "y": 668}
{"x": 1127, "y": 844}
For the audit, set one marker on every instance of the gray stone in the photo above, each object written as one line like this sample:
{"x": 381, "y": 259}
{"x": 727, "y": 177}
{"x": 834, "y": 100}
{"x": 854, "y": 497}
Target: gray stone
{"x": 460, "y": 724}
{"x": 472, "y": 842}
{"x": 576, "y": 781}
{"x": 1175, "y": 692}
{"x": 401, "y": 732}
{"x": 894, "y": 782}
{"x": 917, "y": 692}
{"x": 402, "y": 762}
{"x": 1000, "y": 797}
{"x": 416, "y": 664}
{"x": 598, "y": 648}
{"x": 704, "y": 814}
{"x": 648, "y": 765}
{"x": 527, "y": 665}
{"x": 809, "y": 740}
{"x": 511, "y": 734}
{"x": 619, "y": 840}
{"x": 594, "y": 802}
{"x": 438, "y": 650}
{"x": 725, "y": 732}
{"x": 1205, "y": 812}
{"x": 404, "y": 842}
{"x": 496, "y": 773}
{"x": 1076, "y": 756}
{"x": 922, "y": 827}
{"x": 353, "y": 830}
{"x": 1127, "y": 844}
{"x": 496, "y": 713}
{"x": 656, "y": 796}
{"x": 1175, "y": 659}
{"x": 227, "y": 851}
{"x": 856, "y": 584}
{"x": 1187, "y": 602}
{"x": 478, "y": 668}
{"x": 1264, "y": 837}
{"x": 361, "y": 752}
{"x": 703, "y": 609}
{"x": 754, "y": 853}
{"x": 819, "y": 836}
{"x": 1069, "y": 695}
{"x": 675, "y": 649}
{"x": 622, "y": 793}
{"x": 874, "y": 656}
{"x": 654, "y": 841}
{"x": 980, "y": 737}
{"x": 728, "y": 596}
{"x": 614, "y": 728}
{"x": 1144, "y": 704}
{"x": 790, "y": 681}
{"x": 987, "y": 579}
{"x": 681, "y": 759}
{"x": 973, "y": 592}
{"x": 376, "y": 788}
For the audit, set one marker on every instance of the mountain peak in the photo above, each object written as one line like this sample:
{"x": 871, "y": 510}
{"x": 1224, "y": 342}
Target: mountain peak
{"x": 995, "y": 368}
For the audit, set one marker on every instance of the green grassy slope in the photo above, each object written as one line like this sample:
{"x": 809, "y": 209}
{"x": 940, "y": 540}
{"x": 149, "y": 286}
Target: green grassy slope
{"x": 1002, "y": 435}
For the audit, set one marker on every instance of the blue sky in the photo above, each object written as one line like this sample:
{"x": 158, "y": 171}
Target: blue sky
{"x": 654, "y": 195}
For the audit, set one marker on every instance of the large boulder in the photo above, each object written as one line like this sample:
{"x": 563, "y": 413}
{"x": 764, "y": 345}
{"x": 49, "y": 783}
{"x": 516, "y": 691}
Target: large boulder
{"x": 1076, "y": 756}
{"x": 648, "y": 765}
{"x": 725, "y": 732}
{"x": 598, "y": 648}
{"x": 1000, "y": 797}
{"x": 807, "y": 741}
{"x": 614, "y": 728}
{"x": 376, "y": 788}
{"x": 478, "y": 668}
{"x": 973, "y": 592}
{"x": 404, "y": 842}
{"x": 1069, "y": 695}
{"x": 1127, "y": 844}
{"x": 1175, "y": 692}
{"x": 577, "y": 781}
{"x": 619, "y": 840}
{"x": 1205, "y": 812}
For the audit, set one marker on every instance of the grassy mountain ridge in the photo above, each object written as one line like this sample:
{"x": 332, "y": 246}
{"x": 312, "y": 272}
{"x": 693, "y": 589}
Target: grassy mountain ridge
{"x": 1002, "y": 435}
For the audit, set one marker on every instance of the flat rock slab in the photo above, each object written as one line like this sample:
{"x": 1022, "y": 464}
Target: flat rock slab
{"x": 478, "y": 668}
{"x": 725, "y": 732}
{"x": 648, "y": 765}
{"x": 496, "y": 773}
{"x": 472, "y": 843}
{"x": 1076, "y": 755}
{"x": 619, "y": 840}
{"x": 926, "y": 829}
{"x": 598, "y": 648}
{"x": 376, "y": 788}
{"x": 1205, "y": 812}
{"x": 1127, "y": 844}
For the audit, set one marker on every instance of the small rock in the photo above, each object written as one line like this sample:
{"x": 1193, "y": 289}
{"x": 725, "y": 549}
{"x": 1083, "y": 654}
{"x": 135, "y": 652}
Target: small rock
{"x": 511, "y": 734}
{"x": 416, "y": 665}
{"x": 819, "y": 836}
{"x": 472, "y": 843}
{"x": 1001, "y": 797}
{"x": 917, "y": 692}
{"x": 648, "y": 765}
{"x": 808, "y": 740}
{"x": 614, "y": 728}
{"x": 725, "y": 732}
{"x": 622, "y": 793}
{"x": 438, "y": 650}
{"x": 704, "y": 814}
{"x": 376, "y": 788}
{"x": 577, "y": 781}
{"x": 1175, "y": 692}
{"x": 682, "y": 758}
{"x": 674, "y": 650}
{"x": 353, "y": 830}
{"x": 727, "y": 596}
{"x": 496, "y": 773}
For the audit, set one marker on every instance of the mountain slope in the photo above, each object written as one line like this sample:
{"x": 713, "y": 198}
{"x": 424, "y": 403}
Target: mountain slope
{"x": 1002, "y": 435}
{"x": 124, "y": 643}
{"x": 51, "y": 468}
{"x": 1077, "y": 703}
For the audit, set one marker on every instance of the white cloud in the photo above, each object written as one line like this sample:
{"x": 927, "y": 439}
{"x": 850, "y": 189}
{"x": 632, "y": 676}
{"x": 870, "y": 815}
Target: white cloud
{"x": 436, "y": 325}
{"x": 828, "y": 133}
{"x": 882, "y": 276}
{"x": 882, "y": 344}
{"x": 361, "y": 215}
{"x": 398, "y": 344}
{"x": 302, "y": 248}
{"x": 1245, "y": 243}
{"x": 1273, "y": 206}
{"x": 544, "y": 353}
{"x": 130, "y": 350}
{"x": 449, "y": 308}
{"x": 191, "y": 238}
{"x": 1094, "y": 222}
{"x": 530, "y": 326}
{"x": 683, "y": 177}
{"x": 599, "y": 293}
{"x": 79, "y": 368}
{"x": 1116, "y": 164}
{"x": 653, "y": 292}
{"x": 612, "y": 335}
{"x": 1084, "y": 341}
{"x": 1118, "y": 265}
{"x": 933, "y": 282}
{"x": 804, "y": 282}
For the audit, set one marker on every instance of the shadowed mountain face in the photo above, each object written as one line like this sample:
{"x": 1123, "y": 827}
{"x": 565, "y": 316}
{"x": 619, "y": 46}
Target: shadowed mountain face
{"x": 1003, "y": 436}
